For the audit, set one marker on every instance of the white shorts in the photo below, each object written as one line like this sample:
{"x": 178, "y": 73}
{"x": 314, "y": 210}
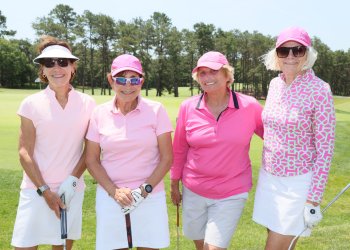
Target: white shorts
{"x": 149, "y": 222}
{"x": 36, "y": 224}
{"x": 279, "y": 202}
{"x": 214, "y": 220}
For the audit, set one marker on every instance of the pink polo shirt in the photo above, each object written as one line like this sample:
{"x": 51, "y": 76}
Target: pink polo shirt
{"x": 129, "y": 145}
{"x": 211, "y": 156}
{"x": 59, "y": 134}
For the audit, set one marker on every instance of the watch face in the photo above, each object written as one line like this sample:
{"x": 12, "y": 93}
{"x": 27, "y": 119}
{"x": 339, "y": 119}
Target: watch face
{"x": 148, "y": 188}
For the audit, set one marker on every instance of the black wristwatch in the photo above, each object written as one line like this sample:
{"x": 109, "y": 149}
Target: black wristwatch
{"x": 147, "y": 187}
{"x": 42, "y": 189}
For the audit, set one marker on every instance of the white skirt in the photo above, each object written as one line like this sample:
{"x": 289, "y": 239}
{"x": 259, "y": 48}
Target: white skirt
{"x": 149, "y": 222}
{"x": 279, "y": 202}
{"x": 36, "y": 224}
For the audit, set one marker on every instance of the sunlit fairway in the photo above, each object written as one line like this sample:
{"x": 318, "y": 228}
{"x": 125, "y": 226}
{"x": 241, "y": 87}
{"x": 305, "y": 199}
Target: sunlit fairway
{"x": 332, "y": 233}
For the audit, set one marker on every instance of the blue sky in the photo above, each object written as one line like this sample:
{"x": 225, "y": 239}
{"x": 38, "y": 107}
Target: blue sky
{"x": 328, "y": 20}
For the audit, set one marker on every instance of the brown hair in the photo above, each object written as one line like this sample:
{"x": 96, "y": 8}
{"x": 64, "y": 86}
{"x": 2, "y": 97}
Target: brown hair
{"x": 46, "y": 41}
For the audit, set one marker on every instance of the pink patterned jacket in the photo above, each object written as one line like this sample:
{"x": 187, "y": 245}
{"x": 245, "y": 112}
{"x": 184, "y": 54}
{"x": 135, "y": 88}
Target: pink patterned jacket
{"x": 299, "y": 130}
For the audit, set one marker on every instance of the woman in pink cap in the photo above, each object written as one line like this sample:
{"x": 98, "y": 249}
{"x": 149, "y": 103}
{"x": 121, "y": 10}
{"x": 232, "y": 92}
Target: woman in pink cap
{"x": 299, "y": 124}
{"x": 211, "y": 154}
{"x": 129, "y": 151}
{"x": 53, "y": 126}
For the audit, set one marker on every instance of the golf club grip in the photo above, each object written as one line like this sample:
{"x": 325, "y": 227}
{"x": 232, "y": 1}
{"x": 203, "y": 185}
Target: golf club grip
{"x": 128, "y": 229}
{"x": 63, "y": 218}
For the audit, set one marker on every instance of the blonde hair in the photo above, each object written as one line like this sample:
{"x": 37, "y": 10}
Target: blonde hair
{"x": 46, "y": 41}
{"x": 228, "y": 71}
{"x": 270, "y": 59}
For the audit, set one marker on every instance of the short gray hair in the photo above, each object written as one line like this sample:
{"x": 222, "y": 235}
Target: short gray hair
{"x": 270, "y": 59}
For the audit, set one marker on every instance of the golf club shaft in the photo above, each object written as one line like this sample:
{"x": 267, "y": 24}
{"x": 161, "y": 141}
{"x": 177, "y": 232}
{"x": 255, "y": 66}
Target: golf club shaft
{"x": 177, "y": 227}
{"x": 323, "y": 210}
{"x": 128, "y": 230}
{"x": 63, "y": 218}
{"x": 336, "y": 198}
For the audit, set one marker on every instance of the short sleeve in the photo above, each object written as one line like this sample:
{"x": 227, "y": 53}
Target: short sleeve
{"x": 93, "y": 133}
{"x": 163, "y": 122}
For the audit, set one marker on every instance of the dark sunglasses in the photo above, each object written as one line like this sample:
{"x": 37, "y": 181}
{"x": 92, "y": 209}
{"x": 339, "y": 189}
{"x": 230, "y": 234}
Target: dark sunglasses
{"x": 298, "y": 51}
{"x": 123, "y": 81}
{"x": 50, "y": 62}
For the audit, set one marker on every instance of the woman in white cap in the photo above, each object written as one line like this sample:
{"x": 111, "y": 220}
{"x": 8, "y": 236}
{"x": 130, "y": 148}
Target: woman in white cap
{"x": 211, "y": 154}
{"x": 53, "y": 126}
{"x": 134, "y": 136}
{"x": 299, "y": 124}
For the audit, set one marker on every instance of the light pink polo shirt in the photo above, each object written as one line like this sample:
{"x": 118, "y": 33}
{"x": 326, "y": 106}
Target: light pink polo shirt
{"x": 59, "y": 134}
{"x": 129, "y": 146}
{"x": 211, "y": 156}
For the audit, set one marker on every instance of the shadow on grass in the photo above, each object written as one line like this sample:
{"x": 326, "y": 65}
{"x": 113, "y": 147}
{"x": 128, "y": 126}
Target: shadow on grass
{"x": 339, "y": 111}
{"x": 10, "y": 181}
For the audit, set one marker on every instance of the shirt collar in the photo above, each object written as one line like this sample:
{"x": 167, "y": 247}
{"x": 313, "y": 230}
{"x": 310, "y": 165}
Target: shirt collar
{"x": 233, "y": 101}
{"x": 306, "y": 74}
{"x": 52, "y": 93}
{"x": 114, "y": 110}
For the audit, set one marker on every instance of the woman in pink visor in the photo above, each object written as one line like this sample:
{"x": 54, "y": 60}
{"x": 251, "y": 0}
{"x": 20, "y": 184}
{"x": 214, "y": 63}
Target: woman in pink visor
{"x": 54, "y": 122}
{"x": 299, "y": 124}
{"x": 128, "y": 152}
{"x": 211, "y": 154}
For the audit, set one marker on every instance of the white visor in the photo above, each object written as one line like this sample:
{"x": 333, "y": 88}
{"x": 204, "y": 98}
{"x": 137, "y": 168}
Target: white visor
{"x": 55, "y": 51}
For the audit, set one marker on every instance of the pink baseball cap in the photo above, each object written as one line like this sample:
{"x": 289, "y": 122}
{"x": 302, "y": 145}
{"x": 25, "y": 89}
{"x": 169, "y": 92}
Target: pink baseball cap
{"x": 294, "y": 34}
{"x": 212, "y": 59}
{"x": 126, "y": 62}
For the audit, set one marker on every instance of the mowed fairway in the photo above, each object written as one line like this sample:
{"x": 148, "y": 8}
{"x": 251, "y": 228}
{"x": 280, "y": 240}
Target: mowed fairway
{"x": 332, "y": 233}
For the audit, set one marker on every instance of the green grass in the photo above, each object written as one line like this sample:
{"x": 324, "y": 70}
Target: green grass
{"x": 332, "y": 233}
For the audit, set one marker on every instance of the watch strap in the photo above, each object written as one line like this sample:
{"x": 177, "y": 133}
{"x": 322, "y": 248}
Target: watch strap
{"x": 42, "y": 189}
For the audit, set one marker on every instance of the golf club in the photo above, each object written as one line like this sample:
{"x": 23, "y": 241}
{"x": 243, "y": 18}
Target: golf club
{"x": 128, "y": 230}
{"x": 177, "y": 228}
{"x": 63, "y": 217}
{"x": 323, "y": 210}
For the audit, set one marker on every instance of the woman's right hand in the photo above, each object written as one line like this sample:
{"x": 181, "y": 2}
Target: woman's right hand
{"x": 53, "y": 201}
{"x": 176, "y": 196}
{"x": 123, "y": 196}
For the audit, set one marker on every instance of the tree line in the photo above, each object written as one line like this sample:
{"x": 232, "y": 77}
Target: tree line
{"x": 168, "y": 55}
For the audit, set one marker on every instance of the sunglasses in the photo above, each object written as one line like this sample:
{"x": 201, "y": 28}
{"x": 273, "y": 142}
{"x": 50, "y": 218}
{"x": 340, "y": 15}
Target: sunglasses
{"x": 50, "y": 62}
{"x": 298, "y": 51}
{"x": 123, "y": 81}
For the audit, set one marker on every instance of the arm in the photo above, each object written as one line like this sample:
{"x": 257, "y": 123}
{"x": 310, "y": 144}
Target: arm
{"x": 180, "y": 157}
{"x": 26, "y": 152}
{"x": 93, "y": 163}
{"x": 259, "y": 130}
{"x": 166, "y": 158}
{"x": 324, "y": 136}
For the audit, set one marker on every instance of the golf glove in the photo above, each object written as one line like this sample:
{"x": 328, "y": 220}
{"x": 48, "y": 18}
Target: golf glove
{"x": 68, "y": 188}
{"x": 138, "y": 198}
{"x": 312, "y": 215}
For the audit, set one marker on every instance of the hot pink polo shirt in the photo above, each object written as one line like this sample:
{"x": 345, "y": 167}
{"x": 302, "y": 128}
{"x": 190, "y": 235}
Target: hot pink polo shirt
{"x": 59, "y": 134}
{"x": 211, "y": 156}
{"x": 129, "y": 146}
